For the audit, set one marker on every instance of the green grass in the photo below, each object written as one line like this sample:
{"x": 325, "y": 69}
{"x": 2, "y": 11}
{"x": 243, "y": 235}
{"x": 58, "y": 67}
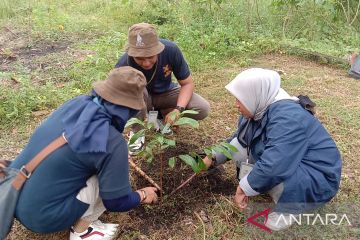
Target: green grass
{"x": 209, "y": 34}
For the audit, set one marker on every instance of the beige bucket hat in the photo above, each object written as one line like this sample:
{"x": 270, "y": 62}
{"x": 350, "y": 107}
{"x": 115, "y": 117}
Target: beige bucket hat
{"x": 124, "y": 86}
{"x": 143, "y": 41}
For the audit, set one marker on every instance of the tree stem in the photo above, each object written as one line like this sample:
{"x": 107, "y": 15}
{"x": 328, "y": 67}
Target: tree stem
{"x": 161, "y": 175}
{"x": 143, "y": 174}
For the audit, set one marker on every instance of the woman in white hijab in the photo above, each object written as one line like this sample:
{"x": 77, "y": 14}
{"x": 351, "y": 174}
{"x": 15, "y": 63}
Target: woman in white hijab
{"x": 283, "y": 149}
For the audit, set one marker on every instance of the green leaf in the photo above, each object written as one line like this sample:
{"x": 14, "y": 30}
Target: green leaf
{"x": 170, "y": 142}
{"x": 193, "y": 154}
{"x": 227, "y": 154}
{"x": 191, "y": 162}
{"x": 172, "y": 162}
{"x": 159, "y": 138}
{"x": 136, "y": 136}
{"x": 164, "y": 147}
{"x": 208, "y": 152}
{"x": 166, "y": 128}
{"x": 149, "y": 154}
{"x": 216, "y": 149}
{"x": 173, "y": 115}
{"x": 189, "y": 112}
{"x": 201, "y": 165}
{"x": 187, "y": 121}
{"x": 229, "y": 146}
{"x": 142, "y": 153}
{"x": 150, "y": 125}
{"x": 133, "y": 121}
{"x": 221, "y": 149}
{"x": 152, "y": 143}
{"x": 150, "y": 159}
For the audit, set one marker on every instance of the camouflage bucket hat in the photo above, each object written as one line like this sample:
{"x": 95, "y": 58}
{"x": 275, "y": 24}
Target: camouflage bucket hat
{"x": 124, "y": 86}
{"x": 143, "y": 41}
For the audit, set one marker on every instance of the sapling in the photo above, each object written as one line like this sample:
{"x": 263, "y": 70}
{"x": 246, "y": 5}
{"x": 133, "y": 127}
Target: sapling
{"x": 157, "y": 140}
{"x": 195, "y": 160}
{"x": 197, "y": 164}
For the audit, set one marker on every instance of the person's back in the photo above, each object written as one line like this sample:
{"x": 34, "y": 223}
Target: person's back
{"x": 321, "y": 156}
{"x": 47, "y": 202}
{"x": 76, "y": 183}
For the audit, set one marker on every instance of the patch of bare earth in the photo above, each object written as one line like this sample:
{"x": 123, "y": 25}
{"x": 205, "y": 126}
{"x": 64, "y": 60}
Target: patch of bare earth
{"x": 43, "y": 60}
{"x": 196, "y": 208}
{"x": 19, "y": 48}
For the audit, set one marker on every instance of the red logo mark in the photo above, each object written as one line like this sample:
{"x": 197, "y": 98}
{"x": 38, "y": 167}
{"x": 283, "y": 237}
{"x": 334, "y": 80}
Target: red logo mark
{"x": 263, "y": 213}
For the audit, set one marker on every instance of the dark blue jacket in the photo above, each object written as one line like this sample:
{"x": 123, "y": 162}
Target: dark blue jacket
{"x": 47, "y": 202}
{"x": 292, "y": 147}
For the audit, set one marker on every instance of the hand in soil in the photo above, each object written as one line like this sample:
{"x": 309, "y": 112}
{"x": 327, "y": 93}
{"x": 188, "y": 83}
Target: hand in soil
{"x": 208, "y": 162}
{"x": 241, "y": 200}
{"x": 151, "y": 195}
{"x": 172, "y": 116}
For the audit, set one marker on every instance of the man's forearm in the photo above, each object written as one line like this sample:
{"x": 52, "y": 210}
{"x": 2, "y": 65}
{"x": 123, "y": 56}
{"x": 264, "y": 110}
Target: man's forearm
{"x": 185, "y": 94}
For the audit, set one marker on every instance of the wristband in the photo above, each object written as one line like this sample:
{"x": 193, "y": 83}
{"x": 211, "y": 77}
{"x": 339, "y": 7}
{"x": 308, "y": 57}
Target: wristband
{"x": 181, "y": 109}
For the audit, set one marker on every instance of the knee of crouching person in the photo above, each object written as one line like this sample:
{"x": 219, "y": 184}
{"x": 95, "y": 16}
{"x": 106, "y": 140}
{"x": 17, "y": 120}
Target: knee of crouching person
{"x": 204, "y": 111}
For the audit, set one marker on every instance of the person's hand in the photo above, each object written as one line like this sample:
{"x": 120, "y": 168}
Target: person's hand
{"x": 241, "y": 200}
{"x": 148, "y": 195}
{"x": 208, "y": 162}
{"x": 172, "y": 116}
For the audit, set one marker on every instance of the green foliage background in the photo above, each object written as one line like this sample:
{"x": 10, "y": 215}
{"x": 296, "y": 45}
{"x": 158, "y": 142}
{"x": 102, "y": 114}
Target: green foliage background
{"x": 211, "y": 34}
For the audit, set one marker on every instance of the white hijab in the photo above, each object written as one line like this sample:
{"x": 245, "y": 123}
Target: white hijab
{"x": 256, "y": 89}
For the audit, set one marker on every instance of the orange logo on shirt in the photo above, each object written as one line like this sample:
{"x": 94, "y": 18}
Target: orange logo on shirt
{"x": 167, "y": 70}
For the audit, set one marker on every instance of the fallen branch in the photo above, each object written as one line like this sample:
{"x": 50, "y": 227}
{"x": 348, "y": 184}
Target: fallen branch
{"x": 315, "y": 56}
{"x": 143, "y": 174}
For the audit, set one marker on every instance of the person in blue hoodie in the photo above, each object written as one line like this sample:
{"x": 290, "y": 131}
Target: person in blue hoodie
{"x": 76, "y": 183}
{"x": 283, "y": 149}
